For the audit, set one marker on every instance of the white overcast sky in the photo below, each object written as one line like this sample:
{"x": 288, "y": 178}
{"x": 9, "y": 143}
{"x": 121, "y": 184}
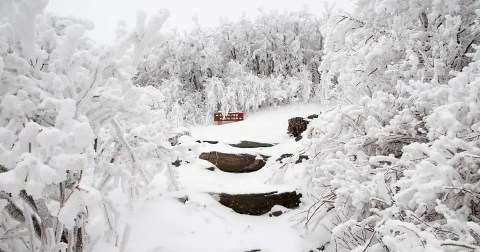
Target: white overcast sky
{"x": 106, "y": 13}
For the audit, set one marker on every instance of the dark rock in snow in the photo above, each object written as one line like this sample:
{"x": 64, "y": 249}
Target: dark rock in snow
{"x": 297, "y": 126}
{"x": 311, "y": 117}
{"x": 173, "y": 140}
{"x": 322, "y": 248}
{"x": 259, "y": 203}
{"x": 177, "y": 163}
{"x": 206, "y": 141}
{"x": 250, "y": 144}
{"x": 301, "y": 158}
{"x": 211, "y": 168}
{"x": 183, "y": 199}
{"x": 287, "y": 155}
{"x": 236, "y": 163}
{"x": 275, "y": 213}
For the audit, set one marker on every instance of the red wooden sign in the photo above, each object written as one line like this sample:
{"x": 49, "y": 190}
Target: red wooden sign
{"x": 230, "y": 117}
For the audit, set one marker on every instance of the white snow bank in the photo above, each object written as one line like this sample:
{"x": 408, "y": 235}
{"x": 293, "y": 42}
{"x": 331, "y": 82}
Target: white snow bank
{"x": 202, "y": 224}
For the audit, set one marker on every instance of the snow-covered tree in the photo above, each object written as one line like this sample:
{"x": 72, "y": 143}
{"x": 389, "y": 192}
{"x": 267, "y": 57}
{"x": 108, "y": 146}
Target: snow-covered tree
{"x": 397, "y": 169}
{"x": 241, "y": 65}
{"x": 386, "y": 41}
{"x": 72, "y": 125}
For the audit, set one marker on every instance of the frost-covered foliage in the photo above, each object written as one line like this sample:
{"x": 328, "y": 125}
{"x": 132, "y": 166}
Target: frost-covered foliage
{"x": 399, "y": 168}
{"x": 388, "y": 40}
{"x": 241, "y": 91}
{"x": 72, "y": 129}
{"x": 240, "y": 65}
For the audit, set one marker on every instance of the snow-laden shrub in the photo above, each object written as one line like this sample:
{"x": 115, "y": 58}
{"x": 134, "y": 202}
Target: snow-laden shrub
{"x": 401, "y": 172}
{"x": 386, "y": 40}
{"x": 275, "y": 43}
{"x": 241, "y": 91}
{"x": 241, "y": 65}
{"x": 72, "y": 129}
{"x": 248, "y": 92}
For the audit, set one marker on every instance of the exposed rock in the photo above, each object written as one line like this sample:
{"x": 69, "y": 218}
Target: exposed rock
{"x": 322, "y": 248}
{"x": 233, "y": 162}
{"x": 312, "y": 116}
{"x": 301, "y": 158}
{"x": 250, "y": 144}
{"x": 275, "y": 213}
{"x": 211, "y": 168}
{"x": 254, "y": 250}
{"x": 210, "y": 142}
{"x": 182, "y": 199}
{"x": 258, "y": 204}
{"x": 298, "y": 138}
{"x": 173, "y": 140}
{"x": 297, "y": 126}
{"x": 177, "y": 163}
{"x": 287, "y": 155}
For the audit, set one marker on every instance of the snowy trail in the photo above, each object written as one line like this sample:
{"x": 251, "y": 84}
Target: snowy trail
{"x": 268, "y": 125}
{"x": 161, "y": 223}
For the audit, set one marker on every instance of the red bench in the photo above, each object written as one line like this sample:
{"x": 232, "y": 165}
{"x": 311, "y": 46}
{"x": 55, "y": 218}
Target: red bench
{"x": 230, "y": 117}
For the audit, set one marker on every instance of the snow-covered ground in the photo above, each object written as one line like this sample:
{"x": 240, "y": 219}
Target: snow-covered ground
{"x": 159, "y": 222}
{"x": 268, "y": 125}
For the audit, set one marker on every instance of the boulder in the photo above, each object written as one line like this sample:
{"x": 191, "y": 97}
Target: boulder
{"x": 259, "y": 203}
{"x": 235, "y": 163}
{"x": 250, "y": 144}
{"x": 296, "y": 126}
